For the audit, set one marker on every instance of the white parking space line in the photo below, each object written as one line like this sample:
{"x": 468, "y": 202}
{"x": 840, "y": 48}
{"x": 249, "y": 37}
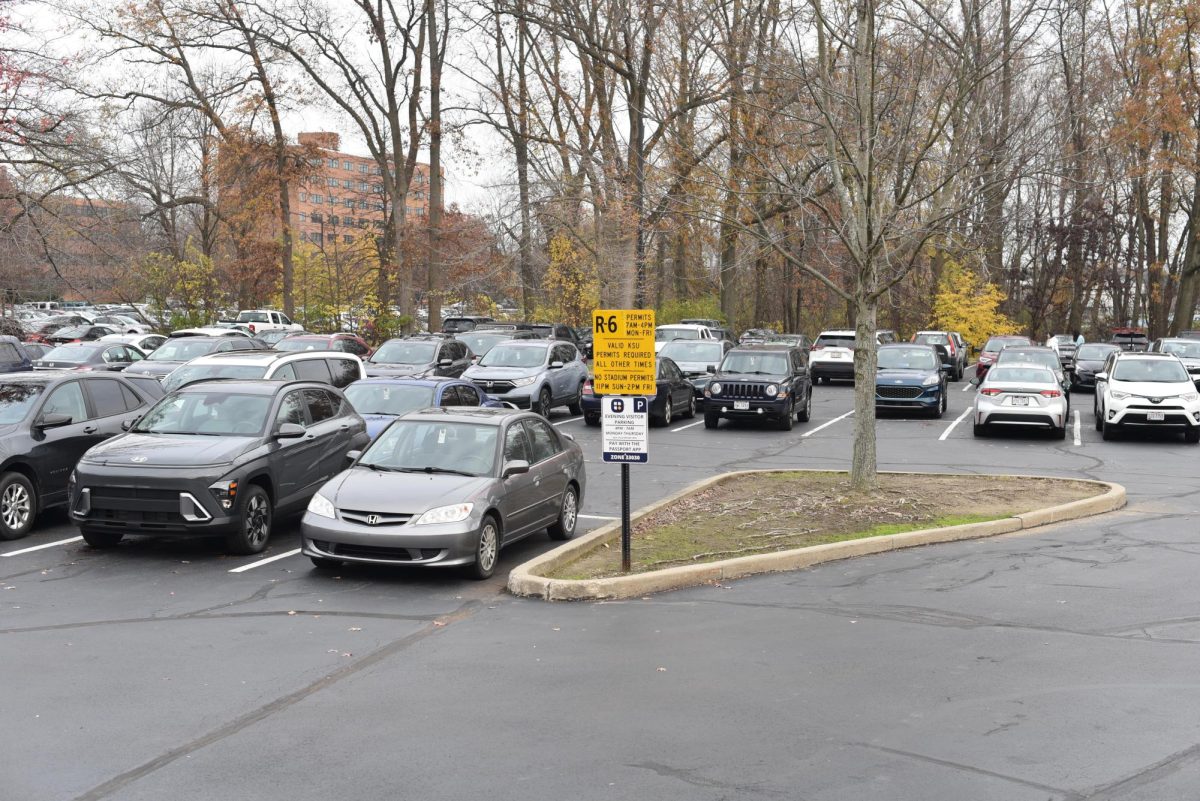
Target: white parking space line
{"x": 597, "y": 517}
{"x": 42, "y": 547}
{"x": 827, "y": 425}
{"x": 966, "y": 386}
{"x": 266, "y": 561}
{"x": 689, "y": 425}
{"x": 1078, "y": 440}
{"x": 950, "y": 427}
{"x": 564, "y": 422}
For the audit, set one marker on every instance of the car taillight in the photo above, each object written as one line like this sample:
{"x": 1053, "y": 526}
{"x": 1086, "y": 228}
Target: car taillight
{"x": 990, "y": 391}
{"x": 1050, "y": 393}
{"x": 253, "y": 329}
{"x": 816, "y": 347}
{"x": 587, "y": 387}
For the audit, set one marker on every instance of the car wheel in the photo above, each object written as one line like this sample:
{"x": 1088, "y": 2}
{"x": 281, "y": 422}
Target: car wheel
{"x": 102, "y": 539}
{"x": 254, "y": 529}
{"x": 665, "y": 418}
{"x": 1192, "y": 436}
{"x": 691, "y": 407}
{"x": 591, "y": 419}
{"x": 577, "y": 406}
{"x": 568, "y": 515}
{"x": 18, "y": 506}
{"x": 487, "y": 549}
{"x": 788, "y": 418}
{"x": 1109, "y": 431}
{"x": 805, "y": 414}
{"x": 544, "y": 401}
{"x": 1099, "y": 414}
{"x": 321, "y": 563}
{"x": 712, "y": 419}
{"x": 1060, "y": 433}
{"x": 979, "y": 429}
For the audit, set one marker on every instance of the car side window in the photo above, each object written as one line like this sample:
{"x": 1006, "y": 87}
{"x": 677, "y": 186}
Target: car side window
{"x": 345, "y": 372}
{"x": 468, "y": 396}
{"x": 516, "y": 446}
{"x": 240, "y": 344}
{"x": 291, "y": 410}
{"x": 285, "y": 373}
{"x": 9, "y": 353}
{"x": 133, "y": 354}
{"x": 312, "y": 370}
{"x": 450, "y": 397}
{"x": 355, "y": 347}
{"x": 132, "y": 401}
{"x": 106, "y": 396}
{"x": 223, "y": 346}
{"x": 543, "y": 442}
{"x": 319, "y": 407}
{"x": 67, "y": 399}
{"x": 283, "y": 318}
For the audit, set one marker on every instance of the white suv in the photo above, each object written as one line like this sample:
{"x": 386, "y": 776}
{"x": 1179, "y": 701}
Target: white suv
{"x": 1146, "y": 390}
{"x": 327, "y": 366}
{"x": 832, "y": 355}
{"x": 669, "y": 333}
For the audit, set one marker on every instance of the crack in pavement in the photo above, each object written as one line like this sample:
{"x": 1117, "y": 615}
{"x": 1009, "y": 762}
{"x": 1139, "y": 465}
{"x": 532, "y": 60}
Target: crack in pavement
{"x": 226, "y": 616}
{"x": 1144, "y": 776}
{"x": 280, "y": 704}
{"x": 688, "y": 776}
{"x": 1066, "y": 795}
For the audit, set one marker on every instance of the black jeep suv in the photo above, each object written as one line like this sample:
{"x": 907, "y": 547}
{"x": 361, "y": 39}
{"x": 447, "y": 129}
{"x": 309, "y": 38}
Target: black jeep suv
{"x": 756, "y": 382}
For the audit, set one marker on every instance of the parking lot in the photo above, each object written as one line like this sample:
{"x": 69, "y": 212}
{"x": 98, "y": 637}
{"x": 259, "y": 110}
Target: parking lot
{"x": 1058, "y": 664}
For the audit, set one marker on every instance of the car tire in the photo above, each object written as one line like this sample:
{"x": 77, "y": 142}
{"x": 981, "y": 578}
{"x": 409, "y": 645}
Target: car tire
{"x": 487, "y": 550}
{"x": 712, "y": 419}
{"x": 1109, "y": 432}
{"x": 254, "y": 529}
{"x": 1060, "y": 433}
{"x": 1098, "y": 413}
{"x": 1191, "y": 436}
{"x": 940, "y": 409}
{"x": 544, "y": 403}
{"x": 664, "y": 419}
{"x": 591, "y": 419}
{"x": 577, "y": 406}
{"x": 18, "y": 506}
{"x": 691, "y": 409}
{"x": 322, "y": 563}
{"x": 979, "y": 429}
{"x": 805, "y": 414}
{"x": 102, "y": 539}
{"x": 788, "y": 418}
{"x": 568, "y": 516}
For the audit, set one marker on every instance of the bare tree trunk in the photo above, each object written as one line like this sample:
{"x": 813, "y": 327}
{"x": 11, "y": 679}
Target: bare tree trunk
{"x": 433, "y": 272}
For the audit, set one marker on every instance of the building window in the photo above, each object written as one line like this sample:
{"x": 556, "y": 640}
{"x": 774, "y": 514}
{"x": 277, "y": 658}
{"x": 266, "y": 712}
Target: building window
{"x": 318, "y": 199}
{"x": 348, "y": 165}
{"x": 331, "y": 181}
{"x": 349, "y": 203}
{"x": 376, "y": 171}
{"x": 303, "y": 217}
{"x": 333, "y": 219}
{"x": 363, "y": 168}
{"x": 347, "y": 183}
{"x": 362, "y": 222}
{"x": 378, "y": 207}
{"x": 303, "y": 197}
{"x": 333, "y": 200}
{"x": 316, "y": 216}
{"x": 317, "y": 162}
{"x": 347, "y": 238}
{"x": 421, "y": 211}
{"x": 331, "y": 238}
{"x": 333, "y": 163}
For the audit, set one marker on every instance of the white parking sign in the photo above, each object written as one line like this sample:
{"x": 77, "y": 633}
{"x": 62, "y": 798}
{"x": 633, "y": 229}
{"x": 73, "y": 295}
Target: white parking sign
{"x": 626, "y": 429}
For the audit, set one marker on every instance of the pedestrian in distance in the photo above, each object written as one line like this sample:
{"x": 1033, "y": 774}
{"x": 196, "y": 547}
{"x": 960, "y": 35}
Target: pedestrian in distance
{"x": 1078, "y": 338}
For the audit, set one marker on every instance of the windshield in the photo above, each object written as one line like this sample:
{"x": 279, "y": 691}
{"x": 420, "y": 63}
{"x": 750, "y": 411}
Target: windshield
{"x": 434, "y": 446}
{"x": 907, "y": 359}
{"x": 755, "y": 363}
{"x": 514, "y": 356}
{"x": 212, "y": 413}
{"x": 1021, "y": 375}
{"x": 16, "y": 400}
{"x": 388, "y": 398}
{"x": 703, "y": 352}
{"x": 198, "y": 372}
{"x": 72, "y": 354}
{"x": 1064, "y": 339}
{"x": 253, "y": 317}
{"x": 401, "y": 352}
{"x": 931, "y": 339}
{"x": 482, "y": 343}
{"x": 1095, "y": 353}
{"x": 1189, "y": 350}
{"x": 668, "y": 334}
{"x": 271, "y": 337}
{"x": 835, "y": 341}
{"x": 996, "y": 344}
{"x": 1046, "y": 358}
{"x": 74, "y": 332}
{"x": 181, "y": 350}
{"x": 302, "y": 343}
{"x": 1153, "y": 371}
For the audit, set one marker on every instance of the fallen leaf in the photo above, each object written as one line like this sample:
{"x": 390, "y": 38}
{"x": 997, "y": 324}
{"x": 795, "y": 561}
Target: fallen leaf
{"x": 438, "y": 623}
{"x": 356, "y": 628}
{"x": 661, "y": 670}
{"x": 291, "y": 611}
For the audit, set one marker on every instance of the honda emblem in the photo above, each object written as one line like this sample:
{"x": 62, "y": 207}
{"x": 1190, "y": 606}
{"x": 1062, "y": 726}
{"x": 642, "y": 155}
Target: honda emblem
{"x": 372, "y": 520}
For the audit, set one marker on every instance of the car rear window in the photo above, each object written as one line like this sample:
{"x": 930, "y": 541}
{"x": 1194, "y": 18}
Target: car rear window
{"x": 996, "y": 344}
{"x": 835, "y": 341}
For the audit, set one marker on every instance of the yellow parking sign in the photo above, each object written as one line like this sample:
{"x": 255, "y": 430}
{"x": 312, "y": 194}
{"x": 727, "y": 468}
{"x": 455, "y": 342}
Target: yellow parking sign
{"x": 623, "y": 352}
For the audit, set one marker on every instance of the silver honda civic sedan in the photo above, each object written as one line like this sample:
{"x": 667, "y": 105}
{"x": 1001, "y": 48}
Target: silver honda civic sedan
{"x": 448, "y": 487}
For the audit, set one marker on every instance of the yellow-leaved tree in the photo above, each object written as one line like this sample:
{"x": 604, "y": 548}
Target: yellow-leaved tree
{"x": 969, "y": 305}
{"x": 571, "y": 284}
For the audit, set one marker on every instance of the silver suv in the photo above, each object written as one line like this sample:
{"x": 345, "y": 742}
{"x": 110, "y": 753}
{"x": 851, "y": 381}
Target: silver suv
{"x": 534, "y": 374}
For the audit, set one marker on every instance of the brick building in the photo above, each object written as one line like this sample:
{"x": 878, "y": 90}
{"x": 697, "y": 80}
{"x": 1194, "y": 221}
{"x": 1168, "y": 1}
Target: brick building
{"x": 345, "y": 195}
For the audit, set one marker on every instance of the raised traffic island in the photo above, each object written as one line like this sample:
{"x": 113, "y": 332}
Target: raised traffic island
{"x": 762, "y": 521}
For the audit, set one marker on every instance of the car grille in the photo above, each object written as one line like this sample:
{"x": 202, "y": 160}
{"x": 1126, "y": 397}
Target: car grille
{"x": 898, "y": 393}
{"x": 376, "y": 552}
{"x": 1160, "y": 407}
{"x": 495, "y": 387}
{"x": 135, "y": 505}
{"x": 374, "y": 518}
{"x": 738, "y": 390}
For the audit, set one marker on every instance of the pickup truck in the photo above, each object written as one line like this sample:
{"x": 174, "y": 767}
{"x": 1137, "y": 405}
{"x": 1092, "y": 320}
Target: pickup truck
{"x": 259, "y": 320}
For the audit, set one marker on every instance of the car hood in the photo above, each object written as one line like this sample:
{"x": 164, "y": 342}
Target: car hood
{"x": 478, "y": 373}
{"x": 691, "y": 368}
{"x": 761, "y": 379}
{"x": 1089, "y": 365}
{"x": 1152, "y": 389}
{"x": 895, "y": 376}
{"x": 400, "y": 493}
{"x": 168, "y": 450}
{"x": 156, "y": 367}
{"x": 384, "y": 369}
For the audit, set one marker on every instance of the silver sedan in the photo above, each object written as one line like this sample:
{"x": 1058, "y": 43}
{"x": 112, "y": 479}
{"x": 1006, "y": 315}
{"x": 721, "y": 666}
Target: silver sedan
{"x": 448, "y": 487}
{"x": 1023, "y": 394}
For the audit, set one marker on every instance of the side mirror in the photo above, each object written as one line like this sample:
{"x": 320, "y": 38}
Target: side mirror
{"x": 514, "y": 468}
{"x": 974, "y": 382}
{"x": 555, "y": 365}
{"x": 710, "y": 368}
{"x": 1101, "y": 376}
{"x": 352, "y": 456}
{"x": 290, "y": 431}
{"x": 128, "y": 424}
{"x": 53, "y": 420}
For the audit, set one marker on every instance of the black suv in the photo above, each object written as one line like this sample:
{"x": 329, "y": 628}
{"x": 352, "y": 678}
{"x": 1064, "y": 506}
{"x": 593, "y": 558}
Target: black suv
{"x": 47, "y": 420}
{"x": 216, "y": 458}
{"x": 756, "y": 382}
{"x": 419, "y": 356}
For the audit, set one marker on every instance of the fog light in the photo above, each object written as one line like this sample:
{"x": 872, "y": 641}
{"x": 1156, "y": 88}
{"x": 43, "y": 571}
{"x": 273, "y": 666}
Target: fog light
{"x": 225, "y": 492}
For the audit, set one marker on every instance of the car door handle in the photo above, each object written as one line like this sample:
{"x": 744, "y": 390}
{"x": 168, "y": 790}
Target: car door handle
{"x": 89, "y": 429}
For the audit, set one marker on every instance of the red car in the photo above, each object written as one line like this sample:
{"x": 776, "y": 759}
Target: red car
{"x": 346, "y": 343}
{"x": 987, "y": 356}
{"x": 42, "y": 329}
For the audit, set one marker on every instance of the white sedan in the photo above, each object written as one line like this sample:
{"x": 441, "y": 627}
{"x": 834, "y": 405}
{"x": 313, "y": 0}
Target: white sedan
{"x": 1023, "y": 395}
{"x": 1146, "y": 390}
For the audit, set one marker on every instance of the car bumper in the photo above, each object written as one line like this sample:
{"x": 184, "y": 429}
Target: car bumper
{"x": 1175, "y": 417}
{"x": 833, "y": 368}
{"x": 755, "y": 409}
{"x": 930, "y": 398}
{"x": 1053, "y": 415}
{"x": 153, "y": 507}
{"x": 441, "y": 545}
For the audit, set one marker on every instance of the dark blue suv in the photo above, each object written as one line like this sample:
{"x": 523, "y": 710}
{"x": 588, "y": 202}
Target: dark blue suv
{"x": 911, "y": 376}
{"x": 760, "y": 382}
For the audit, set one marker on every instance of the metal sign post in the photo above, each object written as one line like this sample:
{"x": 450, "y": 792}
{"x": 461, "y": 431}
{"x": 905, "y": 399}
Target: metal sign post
{"x": 623, "y": 365}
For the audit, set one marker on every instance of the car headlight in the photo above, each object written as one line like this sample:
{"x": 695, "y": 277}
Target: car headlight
{"x": 715, "y": 388}
{"x": 1189, "y": 396}
{"x": 524, "y": 382}
{"x": 1119, "y": 395}
{"x": 445, "y": 514}
{"x": 321, "y": 506}
{"x": 771, "y": 390}
{"x": 931, "y": 381}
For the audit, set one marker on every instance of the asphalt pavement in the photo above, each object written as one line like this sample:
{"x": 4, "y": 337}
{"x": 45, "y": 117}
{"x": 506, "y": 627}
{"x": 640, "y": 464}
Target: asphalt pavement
{"x": 1056, "y": 664}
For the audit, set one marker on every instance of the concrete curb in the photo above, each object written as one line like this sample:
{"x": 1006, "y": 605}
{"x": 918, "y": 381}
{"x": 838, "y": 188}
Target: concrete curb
{"x": 524, "y": 579}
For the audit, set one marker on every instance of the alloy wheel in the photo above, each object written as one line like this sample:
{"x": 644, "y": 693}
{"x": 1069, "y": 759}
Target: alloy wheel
{"x": 488, "y": 546}
{"x": 257, "y": 520}
{"x": 570, "y": 513}
{"x": 15, "y": 506}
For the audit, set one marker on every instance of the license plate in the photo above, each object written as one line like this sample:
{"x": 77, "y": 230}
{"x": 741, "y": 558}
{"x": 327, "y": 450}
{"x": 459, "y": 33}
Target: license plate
{"x": 835, "y": 355}
{"x": 1153, "y": 416}
{"x": 1020, "y": 401}
{"x": 741, "y": 406}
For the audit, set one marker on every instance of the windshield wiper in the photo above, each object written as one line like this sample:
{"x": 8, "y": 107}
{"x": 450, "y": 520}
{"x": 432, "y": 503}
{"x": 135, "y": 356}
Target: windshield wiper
{"x": 381, "y": 468}
{"x": 756, "y": 372}
{"x": 432, "y": 470}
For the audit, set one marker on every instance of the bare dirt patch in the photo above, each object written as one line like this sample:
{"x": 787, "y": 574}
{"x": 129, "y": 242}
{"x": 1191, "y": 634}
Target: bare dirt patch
{"x": 767, "y": 512}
